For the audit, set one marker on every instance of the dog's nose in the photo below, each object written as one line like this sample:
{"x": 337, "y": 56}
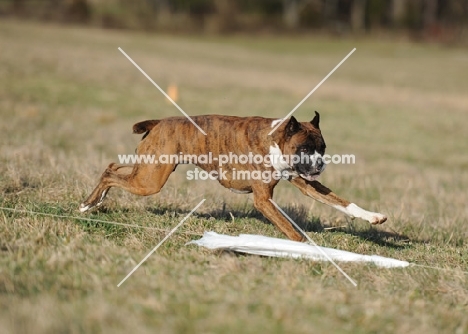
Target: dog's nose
{"x": 319, "y": 164}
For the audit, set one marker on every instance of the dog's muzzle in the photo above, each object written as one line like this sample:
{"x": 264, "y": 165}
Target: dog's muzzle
{"x": 317, "y": 168}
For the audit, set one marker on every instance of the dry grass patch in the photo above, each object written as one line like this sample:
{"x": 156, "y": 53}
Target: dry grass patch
{"x": 68, "y": 100}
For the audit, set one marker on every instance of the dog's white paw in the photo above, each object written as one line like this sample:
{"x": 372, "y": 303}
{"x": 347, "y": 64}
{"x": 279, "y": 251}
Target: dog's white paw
{"x": 84, "y": 207}
{"x": 377, "y": 218}
{"x": 355, "y": 211}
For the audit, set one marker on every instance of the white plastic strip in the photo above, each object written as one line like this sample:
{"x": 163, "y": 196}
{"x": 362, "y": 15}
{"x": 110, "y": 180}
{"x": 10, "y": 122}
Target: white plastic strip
{"x": 266, "y": 246}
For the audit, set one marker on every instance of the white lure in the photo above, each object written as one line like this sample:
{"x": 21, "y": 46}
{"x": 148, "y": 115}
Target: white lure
{"x": 266, "y": 246}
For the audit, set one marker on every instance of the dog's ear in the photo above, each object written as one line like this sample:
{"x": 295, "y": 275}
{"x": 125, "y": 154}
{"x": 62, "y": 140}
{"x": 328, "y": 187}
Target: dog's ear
{"x": 315, "y": 122}
{"x": 145, "y": 126}
{"x": 293, "y": 126}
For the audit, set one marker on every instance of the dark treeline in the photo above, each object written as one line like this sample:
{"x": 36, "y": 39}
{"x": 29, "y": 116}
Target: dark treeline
{"x": 437, "y": 19}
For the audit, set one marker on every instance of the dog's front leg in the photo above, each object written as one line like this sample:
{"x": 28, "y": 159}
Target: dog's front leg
{"x": 262, "y": 195}
{"x": 324, "y": 195}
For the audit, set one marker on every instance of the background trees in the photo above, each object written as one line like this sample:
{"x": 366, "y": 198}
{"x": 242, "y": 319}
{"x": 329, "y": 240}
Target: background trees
{"x": 440, "y": 19}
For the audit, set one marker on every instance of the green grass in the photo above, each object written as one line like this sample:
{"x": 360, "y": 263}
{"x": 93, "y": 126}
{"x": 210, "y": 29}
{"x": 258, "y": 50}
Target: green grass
{"x": 68, "y": 100}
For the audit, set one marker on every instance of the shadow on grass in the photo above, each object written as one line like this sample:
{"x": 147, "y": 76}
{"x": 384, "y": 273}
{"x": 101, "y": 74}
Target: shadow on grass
{"x": 383, "y": 238}
{"x": 298, "y": 214}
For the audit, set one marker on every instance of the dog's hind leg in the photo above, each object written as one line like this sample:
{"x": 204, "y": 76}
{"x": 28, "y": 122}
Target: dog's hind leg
{"x": 139, "y": 179}
{"x": 119, "y": 169}
{"x": 324, "y": 195}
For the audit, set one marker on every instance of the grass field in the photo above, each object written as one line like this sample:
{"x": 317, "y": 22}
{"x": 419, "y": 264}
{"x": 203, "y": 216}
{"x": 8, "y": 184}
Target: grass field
{"x": 68, "y": 100}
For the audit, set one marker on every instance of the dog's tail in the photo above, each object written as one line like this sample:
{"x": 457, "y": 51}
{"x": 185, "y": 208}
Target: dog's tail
{"x": 145, "y": 126}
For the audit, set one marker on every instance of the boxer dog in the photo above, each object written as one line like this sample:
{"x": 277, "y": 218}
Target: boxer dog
{"x": 238, "y": 136}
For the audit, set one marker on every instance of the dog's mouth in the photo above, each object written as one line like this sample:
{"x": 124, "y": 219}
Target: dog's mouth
{"x": 310, "y": 177}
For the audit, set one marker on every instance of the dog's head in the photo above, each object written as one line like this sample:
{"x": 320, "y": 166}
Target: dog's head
{"x": 303, "y": 144}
